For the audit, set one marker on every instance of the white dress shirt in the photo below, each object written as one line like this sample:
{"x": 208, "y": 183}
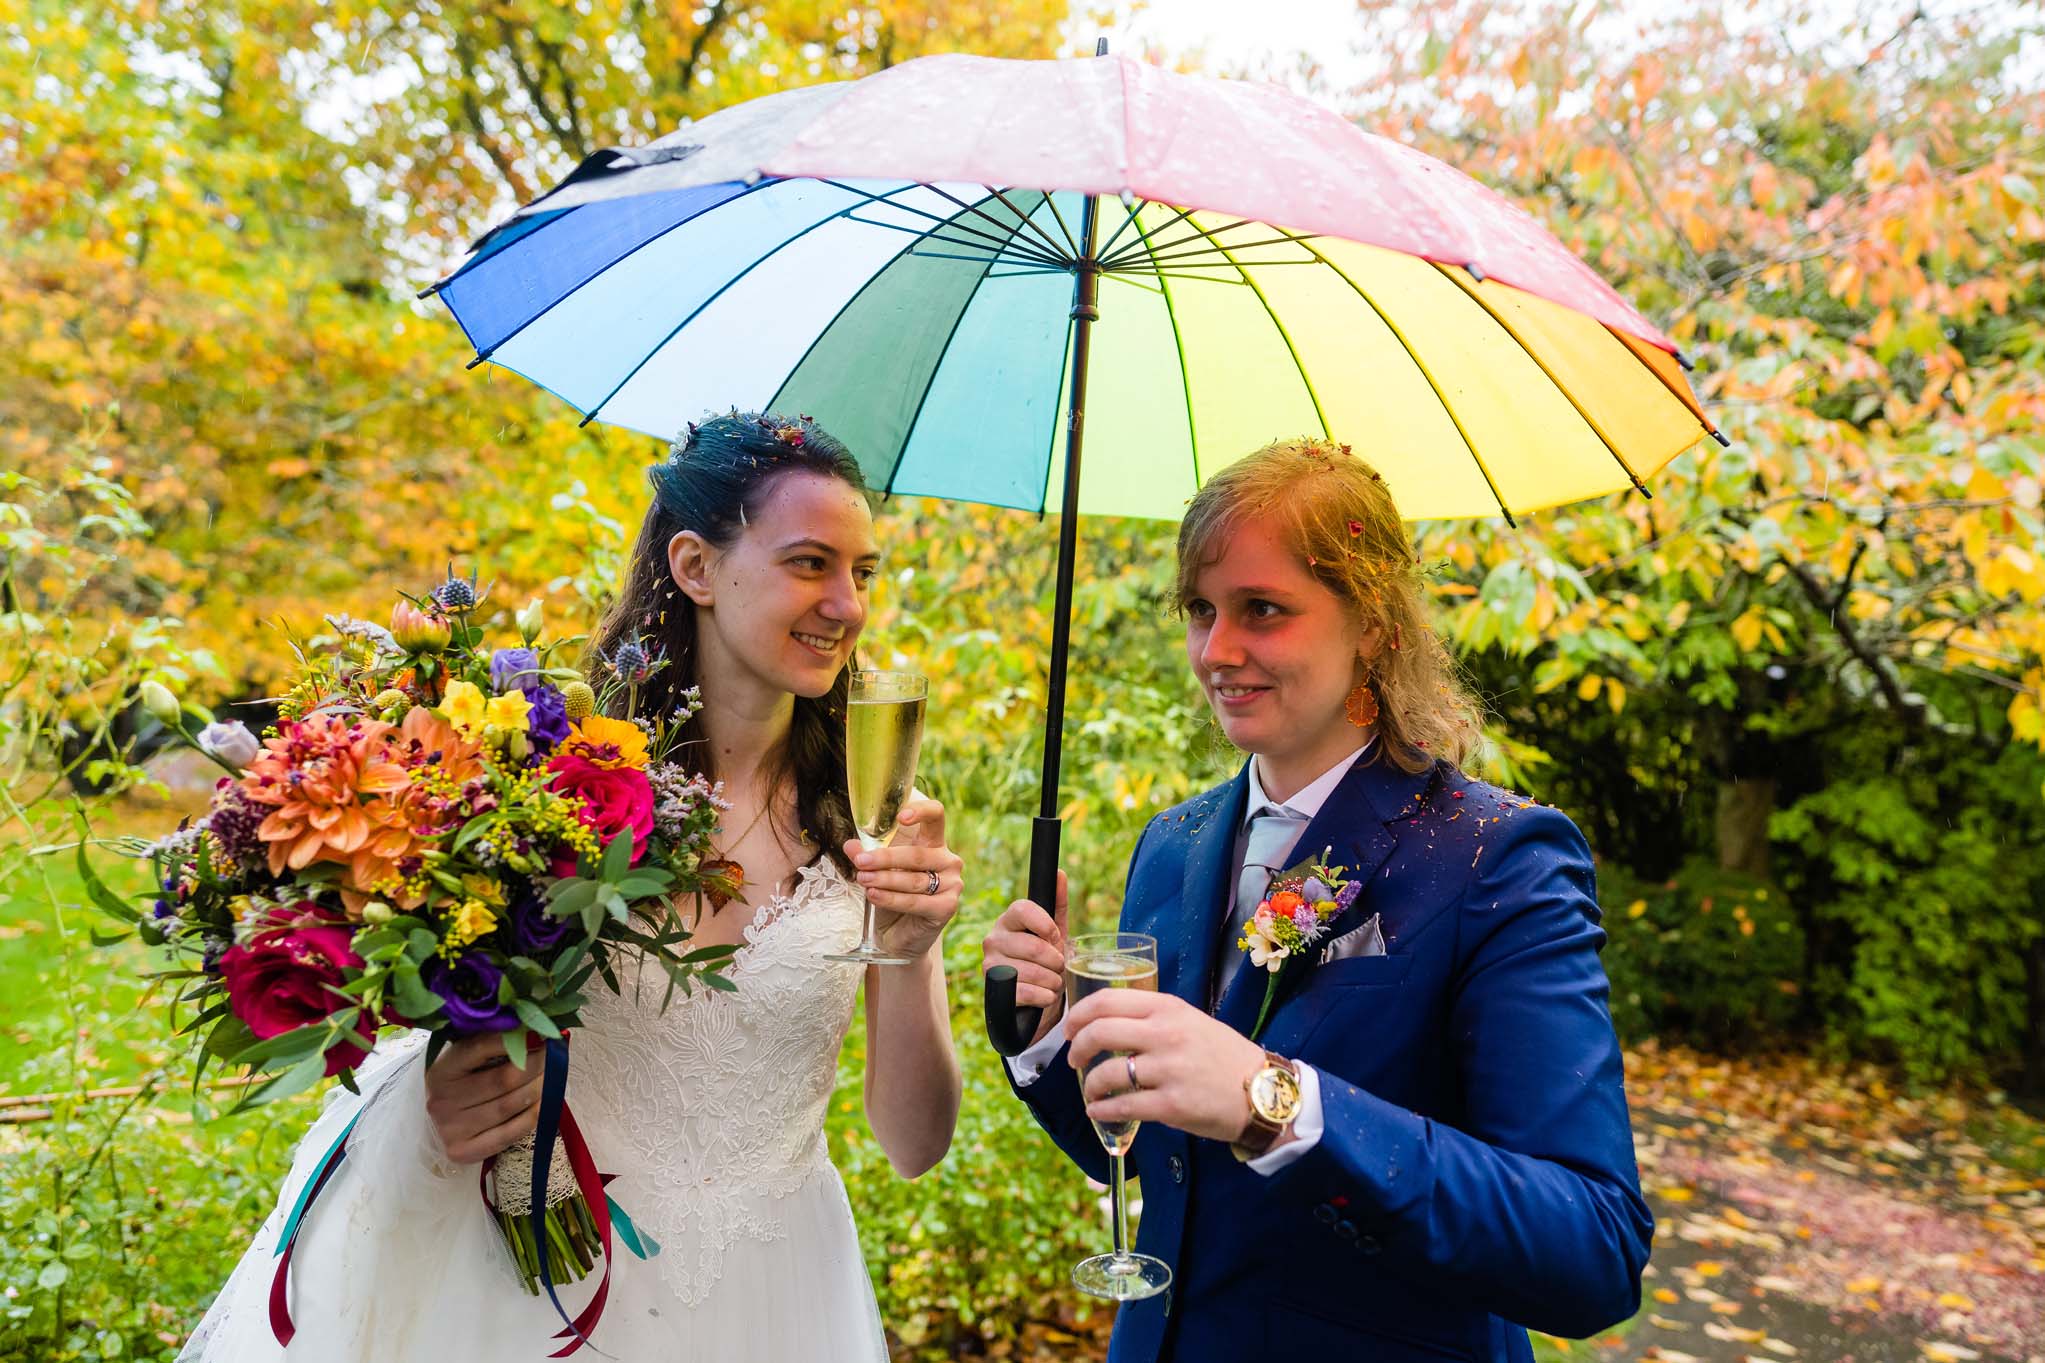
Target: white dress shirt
{"x": 1307, "y": 1126}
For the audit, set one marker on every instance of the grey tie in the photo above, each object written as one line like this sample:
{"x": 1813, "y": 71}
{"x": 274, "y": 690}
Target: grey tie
{"x": 1273, "y": 831}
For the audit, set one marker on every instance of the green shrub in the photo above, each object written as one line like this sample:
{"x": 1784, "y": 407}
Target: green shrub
{"x": 1929, "y": 884}
{"x": 1710, "y": 956}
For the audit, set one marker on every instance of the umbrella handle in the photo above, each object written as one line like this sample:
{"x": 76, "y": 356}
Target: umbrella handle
{"x": 1009, "y": 1028}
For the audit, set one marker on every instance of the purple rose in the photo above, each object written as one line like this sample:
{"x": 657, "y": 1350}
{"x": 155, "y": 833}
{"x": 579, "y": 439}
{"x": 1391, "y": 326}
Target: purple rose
{"x": 468, "y": 993}
{"x": 534, "y": 929}
{"x": 546, "y": 723}
{"x": 518, "y": 667}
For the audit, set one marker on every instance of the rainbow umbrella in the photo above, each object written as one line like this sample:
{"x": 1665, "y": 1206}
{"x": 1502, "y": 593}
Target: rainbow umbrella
{"x": 962, "y": 264}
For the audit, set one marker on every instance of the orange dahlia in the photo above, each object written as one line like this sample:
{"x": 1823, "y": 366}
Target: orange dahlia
{"x": 327, "y": 782}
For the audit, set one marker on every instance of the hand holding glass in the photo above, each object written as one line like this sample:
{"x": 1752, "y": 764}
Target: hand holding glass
{"x": 883, "y": 732}
{"x": 1115, "y": 960}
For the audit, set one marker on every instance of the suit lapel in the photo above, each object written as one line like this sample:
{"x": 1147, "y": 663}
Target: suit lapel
{"x": 1187, "y": 946}
{"x": 1357, "y": 829}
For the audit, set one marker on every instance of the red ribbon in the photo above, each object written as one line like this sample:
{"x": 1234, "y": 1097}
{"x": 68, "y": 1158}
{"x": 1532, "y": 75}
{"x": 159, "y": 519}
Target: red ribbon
{"x": 591, "y": 1185}
{"x": 280, "y": 1300}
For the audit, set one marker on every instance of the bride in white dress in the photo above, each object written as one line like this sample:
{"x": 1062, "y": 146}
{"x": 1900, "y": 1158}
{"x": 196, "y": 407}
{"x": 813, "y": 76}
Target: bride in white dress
{"x": 751, "y": 573}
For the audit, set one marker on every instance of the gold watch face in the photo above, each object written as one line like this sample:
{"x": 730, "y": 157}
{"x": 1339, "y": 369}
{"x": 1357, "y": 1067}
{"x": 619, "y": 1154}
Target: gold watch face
{"x": 1274, "y": 1093}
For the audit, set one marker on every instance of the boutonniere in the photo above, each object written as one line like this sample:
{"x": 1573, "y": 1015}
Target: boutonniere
{"x": 1293, "y": 915}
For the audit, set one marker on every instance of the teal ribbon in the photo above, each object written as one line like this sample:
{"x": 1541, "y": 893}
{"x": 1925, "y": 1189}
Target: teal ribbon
{"x": 636, "y": 1240}
{"x": 315, "y": 1179}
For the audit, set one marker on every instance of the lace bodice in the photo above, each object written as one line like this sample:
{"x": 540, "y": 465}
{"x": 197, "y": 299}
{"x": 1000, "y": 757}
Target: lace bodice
{"x": 712, "y": 1111}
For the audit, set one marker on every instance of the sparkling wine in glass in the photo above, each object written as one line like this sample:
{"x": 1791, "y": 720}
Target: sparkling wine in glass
{"x": 883, "y": 731}
{"x": 1115, "y": 960}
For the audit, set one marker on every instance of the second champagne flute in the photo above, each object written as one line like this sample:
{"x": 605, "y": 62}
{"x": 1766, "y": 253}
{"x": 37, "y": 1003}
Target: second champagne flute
{"x": 1093, "y": 962}
{"x": 883, "y": 732}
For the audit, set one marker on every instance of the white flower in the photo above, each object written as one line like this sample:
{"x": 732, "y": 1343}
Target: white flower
{"x": 231, "y": 742}
{"x": 1264, "y": 952}
{"x": 161, "y": 704}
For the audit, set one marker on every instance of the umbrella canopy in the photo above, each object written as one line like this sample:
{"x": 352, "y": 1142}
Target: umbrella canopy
{"x": 896, "y": 257}
{"x": 934, "y": 262}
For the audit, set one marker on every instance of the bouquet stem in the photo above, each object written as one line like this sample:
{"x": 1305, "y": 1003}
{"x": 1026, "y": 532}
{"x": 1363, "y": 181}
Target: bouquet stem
{"x": 569, "y": 1248}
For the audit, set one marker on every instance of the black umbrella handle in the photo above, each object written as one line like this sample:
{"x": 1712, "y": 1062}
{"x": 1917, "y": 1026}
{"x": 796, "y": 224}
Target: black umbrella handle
{"x": 1011, "y": 1028}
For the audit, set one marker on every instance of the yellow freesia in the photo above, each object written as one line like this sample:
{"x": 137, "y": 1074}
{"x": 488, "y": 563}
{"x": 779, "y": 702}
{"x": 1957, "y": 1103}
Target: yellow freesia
{"x": 507, "y": 712}
{"x": 472, "y": 920}
{"x": 464, "y": 707}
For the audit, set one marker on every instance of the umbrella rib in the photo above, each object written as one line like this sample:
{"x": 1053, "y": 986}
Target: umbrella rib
{"x": 1199, "y": 233}
{"x": 1028, "y": 220}
{"x": 1051, "y": 202}
{"x": 1129, "y": 210}
{"x": 1185, "y": 377}
{"x": 1432, "y": 384}
{"x": 1193, "y": 253}
{"x": 952, "y": 223}
{"x": 985, "y": 252}
{"x": 997, "y": 250}
{"x": 1142, "y": 247}
{"x": 697, "y": 311}
{"x": 1051, "y": 248}
{"x": 1306, "y": 382}
{"x": 1071, "y": 250}
{"x": 1469, "y": 287}
{"x": 482, "y": 355}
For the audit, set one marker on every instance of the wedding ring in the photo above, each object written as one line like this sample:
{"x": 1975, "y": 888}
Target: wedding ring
{"x": 1130, "y": 1061}
{"x": 933, "y": 885}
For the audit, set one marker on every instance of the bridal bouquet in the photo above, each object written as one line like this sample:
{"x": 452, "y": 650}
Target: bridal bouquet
{"x": 440, "y": 835}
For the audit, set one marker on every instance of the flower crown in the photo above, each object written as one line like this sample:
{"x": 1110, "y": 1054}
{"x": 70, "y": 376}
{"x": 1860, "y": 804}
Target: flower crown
{"x": 794, "y": 434}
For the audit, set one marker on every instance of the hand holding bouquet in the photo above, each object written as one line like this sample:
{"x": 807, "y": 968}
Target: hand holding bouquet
{"x": 434, "y": 835}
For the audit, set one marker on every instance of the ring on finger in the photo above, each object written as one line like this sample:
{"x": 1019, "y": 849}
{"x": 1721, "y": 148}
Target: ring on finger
{"x": 932, "y": 885}
{"x": 1134, "y": 1083}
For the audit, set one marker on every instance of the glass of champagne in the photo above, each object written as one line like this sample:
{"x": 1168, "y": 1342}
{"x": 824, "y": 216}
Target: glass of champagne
{"x": 1115, "y": 960}
{"x": 883, "y": 731}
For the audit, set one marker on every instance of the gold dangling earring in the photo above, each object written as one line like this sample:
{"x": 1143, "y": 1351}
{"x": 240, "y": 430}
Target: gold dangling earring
{"x": 1361, "y": 706}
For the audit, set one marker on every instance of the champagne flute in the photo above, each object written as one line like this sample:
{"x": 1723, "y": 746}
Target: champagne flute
{"x": 883, "y": 730}
{"x": 1115, "y": 960}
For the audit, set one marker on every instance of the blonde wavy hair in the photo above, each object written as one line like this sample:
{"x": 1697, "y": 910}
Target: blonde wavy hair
{"x": 1336, "y": 513}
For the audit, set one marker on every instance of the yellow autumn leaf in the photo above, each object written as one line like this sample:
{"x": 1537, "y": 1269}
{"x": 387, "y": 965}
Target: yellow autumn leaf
{"x": 1953, "y": 1301}
{"x": 1636, "y": 908}
{"x": 1747, "y": 629}
{"x": 1862, "y": 1286}
{"x": 1666, "y": 1296}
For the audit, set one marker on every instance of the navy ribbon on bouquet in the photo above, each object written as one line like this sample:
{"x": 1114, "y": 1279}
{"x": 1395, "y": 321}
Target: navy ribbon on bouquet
{"x": 556, "y": 1122}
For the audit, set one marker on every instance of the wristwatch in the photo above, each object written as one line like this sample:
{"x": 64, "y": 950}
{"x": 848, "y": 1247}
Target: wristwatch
{"x": 1273, "y": 1090}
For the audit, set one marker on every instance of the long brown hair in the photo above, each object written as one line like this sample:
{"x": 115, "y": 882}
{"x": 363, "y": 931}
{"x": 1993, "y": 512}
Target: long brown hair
{"x": 713, "y": 482}
{"x": 1336, "y": 513}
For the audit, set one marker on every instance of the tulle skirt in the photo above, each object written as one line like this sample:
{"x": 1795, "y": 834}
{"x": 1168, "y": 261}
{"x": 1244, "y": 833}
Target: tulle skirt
{"x": 399, "y": 1262}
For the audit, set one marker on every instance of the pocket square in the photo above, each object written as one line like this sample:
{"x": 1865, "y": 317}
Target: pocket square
{"x": 1366, "y": 940}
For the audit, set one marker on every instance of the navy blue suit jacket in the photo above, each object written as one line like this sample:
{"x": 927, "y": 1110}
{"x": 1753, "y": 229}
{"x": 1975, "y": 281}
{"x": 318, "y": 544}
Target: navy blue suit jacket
{"x": 1476, "y": 1172}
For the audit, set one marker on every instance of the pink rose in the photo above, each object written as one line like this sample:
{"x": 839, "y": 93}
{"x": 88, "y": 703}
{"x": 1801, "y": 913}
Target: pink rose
{"x": 613, "y": 799}
{"x": 279, "y": 979}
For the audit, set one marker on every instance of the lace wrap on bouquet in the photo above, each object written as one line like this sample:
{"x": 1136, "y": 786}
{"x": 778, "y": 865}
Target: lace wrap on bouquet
{"x": 713, "y": 1108}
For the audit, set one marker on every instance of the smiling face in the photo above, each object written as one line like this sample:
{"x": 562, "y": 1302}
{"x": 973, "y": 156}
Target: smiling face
{"x": 1276, "y": 653}
{"x": 781, "y": 606}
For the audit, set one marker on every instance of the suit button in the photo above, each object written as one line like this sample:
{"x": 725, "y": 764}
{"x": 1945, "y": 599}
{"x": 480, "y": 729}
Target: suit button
{"x": 1178, "y": 1168}
{"x": 1368, "y": 1244}
{"x": 1325, "y": 1214}
{"x": 1346, "y": 1229}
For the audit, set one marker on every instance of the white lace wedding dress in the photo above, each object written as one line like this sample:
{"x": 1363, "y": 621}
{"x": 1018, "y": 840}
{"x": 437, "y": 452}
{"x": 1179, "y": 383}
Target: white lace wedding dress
{"x": 711, "y": 1114}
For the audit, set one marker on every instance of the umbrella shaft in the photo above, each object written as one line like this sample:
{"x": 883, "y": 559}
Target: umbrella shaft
{"x": 1085, "y": 298}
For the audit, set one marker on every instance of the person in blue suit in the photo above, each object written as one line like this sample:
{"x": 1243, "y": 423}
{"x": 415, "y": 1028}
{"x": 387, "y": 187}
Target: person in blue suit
{"x": 1424, "y": 1150}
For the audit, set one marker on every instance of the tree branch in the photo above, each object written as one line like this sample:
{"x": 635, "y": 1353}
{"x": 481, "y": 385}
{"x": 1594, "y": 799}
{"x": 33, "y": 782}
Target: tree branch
{"x": 1885, "y": 681}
